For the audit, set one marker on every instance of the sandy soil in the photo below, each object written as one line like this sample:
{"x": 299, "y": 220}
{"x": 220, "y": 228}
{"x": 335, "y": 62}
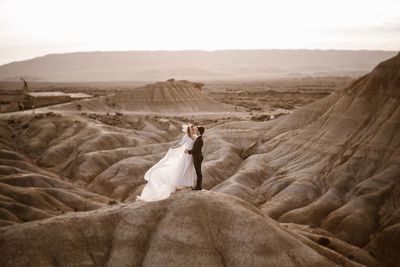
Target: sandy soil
{"x": 314, "y": 186}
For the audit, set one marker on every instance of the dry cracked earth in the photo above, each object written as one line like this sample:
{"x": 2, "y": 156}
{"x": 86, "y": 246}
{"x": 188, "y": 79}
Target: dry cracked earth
{"x": 317, "y": 187}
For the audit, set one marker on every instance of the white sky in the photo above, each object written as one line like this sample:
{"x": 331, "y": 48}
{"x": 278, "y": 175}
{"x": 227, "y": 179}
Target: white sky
{"x": 31, "y": 28}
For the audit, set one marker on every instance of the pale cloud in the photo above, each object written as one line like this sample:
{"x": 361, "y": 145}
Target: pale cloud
{"x": 33, "y": 28}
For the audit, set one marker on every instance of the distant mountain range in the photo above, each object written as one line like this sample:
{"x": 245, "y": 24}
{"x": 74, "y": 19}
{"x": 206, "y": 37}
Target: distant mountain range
{"x": 193, "y": 65}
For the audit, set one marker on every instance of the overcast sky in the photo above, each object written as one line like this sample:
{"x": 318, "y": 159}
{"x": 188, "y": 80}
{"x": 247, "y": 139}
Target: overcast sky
{"x": 31, "y": 28}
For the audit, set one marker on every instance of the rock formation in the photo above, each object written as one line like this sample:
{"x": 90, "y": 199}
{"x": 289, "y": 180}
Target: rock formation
{"x": 317, "y": 187}
{"x": 189, "y": 229}
{"x": 333, "y": 164}
{"x": 173, "y": 97}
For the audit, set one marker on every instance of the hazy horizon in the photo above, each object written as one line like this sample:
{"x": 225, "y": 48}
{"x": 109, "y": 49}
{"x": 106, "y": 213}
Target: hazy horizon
{"x": 30, "y": 29}
{"x": 195, "y": 50}
{"x": 194, "y": 65}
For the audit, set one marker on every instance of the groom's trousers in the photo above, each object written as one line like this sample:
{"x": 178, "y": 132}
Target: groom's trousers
{"x": 197, "y": 166}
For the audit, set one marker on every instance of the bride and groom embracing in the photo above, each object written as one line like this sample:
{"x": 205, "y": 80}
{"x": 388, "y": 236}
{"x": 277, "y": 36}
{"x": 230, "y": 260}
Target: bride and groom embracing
{"x": 180, "y": 167}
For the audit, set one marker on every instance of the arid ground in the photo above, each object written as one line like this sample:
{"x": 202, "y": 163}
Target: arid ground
{"x": 297, "y": 172}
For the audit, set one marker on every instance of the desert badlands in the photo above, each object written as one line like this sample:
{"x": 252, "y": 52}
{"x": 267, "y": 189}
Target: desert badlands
{"x": 316, "y": 187}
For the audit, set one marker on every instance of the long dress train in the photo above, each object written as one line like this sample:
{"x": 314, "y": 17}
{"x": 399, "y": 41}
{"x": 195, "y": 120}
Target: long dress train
{"x": 174, "y": 169}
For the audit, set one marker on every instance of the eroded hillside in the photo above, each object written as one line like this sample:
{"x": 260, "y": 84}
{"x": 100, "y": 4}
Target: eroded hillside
{"x": 317, "y": 187}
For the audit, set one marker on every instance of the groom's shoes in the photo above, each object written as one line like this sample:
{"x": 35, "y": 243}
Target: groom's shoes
{"x": 196, "y": 188}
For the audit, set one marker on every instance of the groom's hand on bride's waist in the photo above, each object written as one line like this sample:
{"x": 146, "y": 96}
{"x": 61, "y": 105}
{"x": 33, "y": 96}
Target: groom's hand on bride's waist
{"x": 186, "y": 151}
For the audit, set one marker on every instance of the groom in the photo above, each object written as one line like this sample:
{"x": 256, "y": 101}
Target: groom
{"x": 197, "y": 157}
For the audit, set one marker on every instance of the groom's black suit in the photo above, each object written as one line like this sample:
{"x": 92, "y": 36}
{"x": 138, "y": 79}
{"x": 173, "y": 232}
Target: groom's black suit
{"x": 197, "y": 159}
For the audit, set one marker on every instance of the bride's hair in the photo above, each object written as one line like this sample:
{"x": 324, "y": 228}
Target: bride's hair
{"x": 189, "y": 130}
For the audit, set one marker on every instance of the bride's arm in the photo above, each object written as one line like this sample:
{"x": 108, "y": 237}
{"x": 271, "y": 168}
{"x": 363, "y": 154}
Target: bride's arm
{"x": 180, "y": 143}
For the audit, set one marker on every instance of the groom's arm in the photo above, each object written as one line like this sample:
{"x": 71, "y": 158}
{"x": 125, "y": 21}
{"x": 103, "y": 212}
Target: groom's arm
{"x": 196, "y": 147}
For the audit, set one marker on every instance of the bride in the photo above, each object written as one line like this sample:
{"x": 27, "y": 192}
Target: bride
{"x": 175, "y": 169}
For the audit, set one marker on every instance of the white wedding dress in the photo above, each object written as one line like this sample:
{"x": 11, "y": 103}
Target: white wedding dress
{"x": 174, "y": 169}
